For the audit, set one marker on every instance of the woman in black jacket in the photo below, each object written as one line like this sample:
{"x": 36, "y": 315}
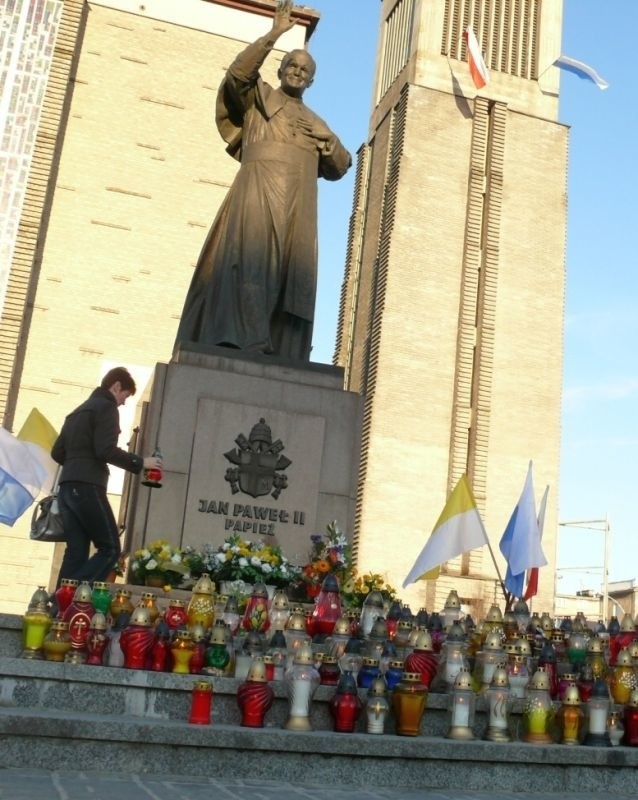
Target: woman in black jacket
{"x": 86, "y": 445}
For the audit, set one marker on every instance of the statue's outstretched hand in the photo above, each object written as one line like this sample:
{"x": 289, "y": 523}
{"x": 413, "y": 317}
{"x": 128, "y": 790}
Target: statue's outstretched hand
{"x": 282, "y": 20}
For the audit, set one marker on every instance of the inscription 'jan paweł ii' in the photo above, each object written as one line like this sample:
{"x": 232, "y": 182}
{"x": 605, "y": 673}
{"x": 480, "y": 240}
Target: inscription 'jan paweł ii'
{"x": 250, "y": 518}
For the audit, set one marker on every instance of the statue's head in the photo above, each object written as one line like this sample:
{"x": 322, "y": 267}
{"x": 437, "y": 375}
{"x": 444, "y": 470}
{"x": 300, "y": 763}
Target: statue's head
{"x": 296, "y": 73}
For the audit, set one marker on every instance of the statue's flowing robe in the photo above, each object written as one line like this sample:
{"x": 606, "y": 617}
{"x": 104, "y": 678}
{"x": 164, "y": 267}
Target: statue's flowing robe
{"x": 255, "y": 282}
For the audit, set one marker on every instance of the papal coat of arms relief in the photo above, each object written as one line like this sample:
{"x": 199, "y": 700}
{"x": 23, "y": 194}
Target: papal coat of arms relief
{"x": 258, "y": 463}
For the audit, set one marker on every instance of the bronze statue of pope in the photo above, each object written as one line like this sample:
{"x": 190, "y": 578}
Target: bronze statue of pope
{"x": 255, "y": 282}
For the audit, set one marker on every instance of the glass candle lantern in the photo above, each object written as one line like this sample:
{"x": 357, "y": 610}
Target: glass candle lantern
{"x": 570, "y": 719}
{"x": 329, "y": 671}
{"x": 64, "y": 594}
{"x": 597, "y": 713}
{"x": 301, "y": 681}
{"x": 136, "y": 640}
{"x": 625, "y": 636}
{"x": 368, "y": 672}
{"x": 97, "y": 640}
{"x": 377, "y": 639}
{"x": 161, "y": 648}
{"x": 101, "y": 597}
{"x": 114, "y": 656}
{"x": 548, "y": 659}
{"x": 595, "y": 657}
{"x": 585, "y": 682}
{"x": 394, "y": 673}
{"x": 182, "y": 648}
{"x": 345, "y": 705}
{"x": 498, "y": 700}
{"x": 402, "y": 636}
{"x": 35, "y": 626}
{"x": 423, "y": 659}
{"x": 372, "y": 608}
{"x": 201, "y": 703}
{"x": 615, "y": 728}
{"x": 336, "y": 642}
{"x": 486, "y": 661}
{"x": 451, "y": 610}
{"x": 231, "y": 616}
{"x": 630, "y": 721}
{"x": 510, "y": 626}
{"x": 518, "y": 674}
{"x": 576, "y": 648}
{"x": 201, "y": 606}
{"x": 278, "y": 652}
{"x": 121, "y": 603}
{"x": 522, "y": 615}
{"x": 388, "y": 654}
{"x": 494, "y": 620}
{"x": 153, "y": 475}
{"x": 220, "y": 604}
{"x": 57, "y": 642}
{"x": 175, "y": 614}
{"x": 255, "y": 696}
{"x": 623, "y": 678}
{"x": 327, "y": 608}
{"x": 566, "y": 680}
{"x": 217, "y": 655}
{"x": 557, "y": 640}
{"x": 351, "y": 660}
{"x": 149, "y": 600}
{"x": 279, "y": 610}
{"x": 295, "y": 634}
{"x": 78, "y": 614}
{"x": 377, "y": 706}
{"x": 200, "y": 643}
{"x": 269, "y": 666}
{"x": 256, "y": 613}
{"x": 409, "y": 700}
{"x": 392, "y": 618}
{"x": 461, "y": 707}
{"x": 538, "y": 711}
{"x": 252, "y": 646}
{"x": 453, "y": 658}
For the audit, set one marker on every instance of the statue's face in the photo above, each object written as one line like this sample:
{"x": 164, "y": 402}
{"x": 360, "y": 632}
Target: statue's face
{"x": 296, "y": 72}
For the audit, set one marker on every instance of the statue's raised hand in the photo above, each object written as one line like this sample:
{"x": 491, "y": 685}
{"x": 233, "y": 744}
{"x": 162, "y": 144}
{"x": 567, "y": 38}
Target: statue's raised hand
{"x": 282, "y": 20}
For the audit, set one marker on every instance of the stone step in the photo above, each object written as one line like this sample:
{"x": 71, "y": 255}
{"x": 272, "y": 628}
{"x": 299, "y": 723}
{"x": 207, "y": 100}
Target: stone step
{"x": 74, "y": 716}
{"x": 163, "y": 696}
{"x": 128, "y": 744}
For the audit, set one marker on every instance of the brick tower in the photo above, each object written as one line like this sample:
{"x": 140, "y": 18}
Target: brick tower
{"x": 451, "y": 318}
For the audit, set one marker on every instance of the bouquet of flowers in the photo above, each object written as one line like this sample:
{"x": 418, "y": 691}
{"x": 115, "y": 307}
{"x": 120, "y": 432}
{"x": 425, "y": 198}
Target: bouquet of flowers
{"x": 200, "y": 561}
{"x": 328, "y": 553}
{"x": 159, "y": 563}
{"x": 357, "y": 587}
{"x": 252, "y": 562}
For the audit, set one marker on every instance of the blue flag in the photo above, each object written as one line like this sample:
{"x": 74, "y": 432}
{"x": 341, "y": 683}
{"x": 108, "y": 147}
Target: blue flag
{"x": 521, "y": 541}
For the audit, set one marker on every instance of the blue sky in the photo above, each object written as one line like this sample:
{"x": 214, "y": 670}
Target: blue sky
{"x": 600, "y": 431}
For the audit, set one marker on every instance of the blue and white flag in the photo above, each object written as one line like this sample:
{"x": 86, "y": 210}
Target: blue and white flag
{"x": 521, "y": 542}
{"x": 581, "y": 69}
{"x": 26, "y": 468}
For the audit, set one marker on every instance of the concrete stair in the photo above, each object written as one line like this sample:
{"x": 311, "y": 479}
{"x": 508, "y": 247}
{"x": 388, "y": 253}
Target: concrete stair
{"x": 67, "y": 716}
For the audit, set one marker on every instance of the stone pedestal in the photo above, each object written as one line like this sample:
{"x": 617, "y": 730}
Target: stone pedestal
{"x": 251, "y": 445}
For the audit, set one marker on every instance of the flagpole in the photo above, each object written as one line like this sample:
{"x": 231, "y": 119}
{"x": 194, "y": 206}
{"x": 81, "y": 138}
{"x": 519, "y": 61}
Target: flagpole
{"x": 506, "y": 595}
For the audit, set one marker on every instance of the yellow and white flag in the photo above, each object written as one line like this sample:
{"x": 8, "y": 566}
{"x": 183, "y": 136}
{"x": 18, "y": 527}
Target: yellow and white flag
{"x": 458, "y": 529}
{"x": 26, "y": 466}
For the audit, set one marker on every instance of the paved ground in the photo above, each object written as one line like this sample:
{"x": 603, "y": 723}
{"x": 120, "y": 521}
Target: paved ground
{"x": 21, "y": 784}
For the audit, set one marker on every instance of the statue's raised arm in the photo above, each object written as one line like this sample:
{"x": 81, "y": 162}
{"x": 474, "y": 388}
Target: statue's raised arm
{"x": 282, "y": 20}
{"x": 255, "y": 282}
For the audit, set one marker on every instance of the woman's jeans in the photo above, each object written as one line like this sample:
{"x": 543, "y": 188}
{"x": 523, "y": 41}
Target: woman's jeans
{"x": 88, "y": 518}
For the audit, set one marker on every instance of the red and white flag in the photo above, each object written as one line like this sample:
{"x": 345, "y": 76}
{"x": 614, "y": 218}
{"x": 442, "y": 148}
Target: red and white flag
{"x": 478, "y": 70}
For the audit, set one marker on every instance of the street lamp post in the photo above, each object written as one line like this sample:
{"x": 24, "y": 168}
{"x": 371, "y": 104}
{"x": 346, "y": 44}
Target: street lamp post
{"x": 602, "y": 526}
